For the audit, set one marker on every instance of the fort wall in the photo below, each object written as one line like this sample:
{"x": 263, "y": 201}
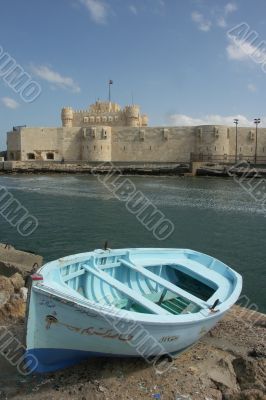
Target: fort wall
{"x": 171, "y": 144}
{"x": 14, "y": 145}
{"x": 106, "y": 132}
{"x": 127, "y": 144}
{"x": 246, "y": 142}
{"x": 96, "y": 144}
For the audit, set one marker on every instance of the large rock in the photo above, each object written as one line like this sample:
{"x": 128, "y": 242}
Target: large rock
{"x": 17, "y": 281}
{"x": 15, "y": 309}
{"x": 13, "y": 298}
{"x": 6, "y": 290}
{"x": 12, "y": 261}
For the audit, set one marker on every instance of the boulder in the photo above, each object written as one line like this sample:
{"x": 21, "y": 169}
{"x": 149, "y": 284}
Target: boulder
{"x": 6, "y": 290}
{"x": 17, "y": 281}
{"x": 23, "y": 293}
{"x": 12, "y": 261}
{"x": 15, "y": 309}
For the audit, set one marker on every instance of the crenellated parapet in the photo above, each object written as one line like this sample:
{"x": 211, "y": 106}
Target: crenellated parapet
{"x": 104, "y": 113}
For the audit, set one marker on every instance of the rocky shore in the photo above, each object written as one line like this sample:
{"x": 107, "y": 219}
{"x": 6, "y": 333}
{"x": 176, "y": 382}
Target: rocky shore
{"x": 229, "y": 363}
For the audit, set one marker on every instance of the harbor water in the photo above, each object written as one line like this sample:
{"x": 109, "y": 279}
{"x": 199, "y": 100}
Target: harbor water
{"x": 77, "y": 213}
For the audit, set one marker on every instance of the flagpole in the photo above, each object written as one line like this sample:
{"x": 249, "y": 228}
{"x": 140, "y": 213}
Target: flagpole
{"x": 110, "y": 83}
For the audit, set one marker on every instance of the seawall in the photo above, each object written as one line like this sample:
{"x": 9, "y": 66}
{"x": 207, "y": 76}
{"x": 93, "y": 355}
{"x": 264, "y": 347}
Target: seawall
{"x": 8, "y": 167}
{"x": 202, "y": 168}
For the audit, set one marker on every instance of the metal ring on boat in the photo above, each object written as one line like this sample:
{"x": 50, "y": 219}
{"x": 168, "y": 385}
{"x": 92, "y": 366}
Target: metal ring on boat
{"x": 50, "y": 319}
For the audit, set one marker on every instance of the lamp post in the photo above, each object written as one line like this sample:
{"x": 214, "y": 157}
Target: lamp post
{"x": 236, "y": 123}
{"x": 256, "y": 122}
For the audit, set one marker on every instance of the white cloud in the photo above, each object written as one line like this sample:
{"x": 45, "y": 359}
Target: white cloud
{"x": 133, "y": 9}
{"x": 98, "y": 10}
{"x": 251, "y": 87}
{"x": 202, "y": 23}
{"x": 237, "y": 50}
{"x": 55, "y": 78}
{"x": 10, "y": 103}
{"x": 242, "y": 50}
{"x": 215, "y": 119}
{"x": 221, "y": 22}
{"x": 216, "y": 17}
{"x": 230, "y": 8}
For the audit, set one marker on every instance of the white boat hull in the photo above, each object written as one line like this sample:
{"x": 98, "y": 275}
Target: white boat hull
{"x": 68, "y": 333}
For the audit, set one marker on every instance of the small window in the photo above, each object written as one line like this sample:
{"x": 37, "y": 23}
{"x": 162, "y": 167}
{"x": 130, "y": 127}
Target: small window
{"x": 165, "y": 133}
{"x": 11, "y": 156}
{"x": 251, "y": 135}
{"x": 86, "y": 119}
{"x": 31, "y": 156}
{"x": 215, "y": 148}
{"x": 142, "y": 134}
{"x": 50, "y": 156}
{"x": 124, "y": 148}
{"x": 94, "y": 147}
{"x": 150, "y": 147}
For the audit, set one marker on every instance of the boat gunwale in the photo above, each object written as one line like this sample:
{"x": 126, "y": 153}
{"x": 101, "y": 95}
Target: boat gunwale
{"x": 202, "y": 314}
{"x": 105, "y": 312}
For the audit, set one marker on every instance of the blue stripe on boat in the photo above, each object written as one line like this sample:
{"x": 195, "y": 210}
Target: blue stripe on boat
{"x": 55, "y": 359}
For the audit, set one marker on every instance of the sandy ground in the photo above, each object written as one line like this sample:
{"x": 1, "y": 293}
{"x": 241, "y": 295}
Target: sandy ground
{"x": 229, "y": 363}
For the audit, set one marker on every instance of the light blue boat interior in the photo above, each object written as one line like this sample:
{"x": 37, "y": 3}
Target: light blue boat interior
{"x": 160, "y": 281}
{"x": 168, "y": 291}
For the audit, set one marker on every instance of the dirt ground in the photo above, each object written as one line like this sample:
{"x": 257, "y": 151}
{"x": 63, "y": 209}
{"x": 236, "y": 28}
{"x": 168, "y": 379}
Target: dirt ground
{"x": 229, "y": 363}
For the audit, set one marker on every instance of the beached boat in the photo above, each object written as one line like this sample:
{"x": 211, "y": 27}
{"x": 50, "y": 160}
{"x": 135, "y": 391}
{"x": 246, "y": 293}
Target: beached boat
{"x": 213, "y": 170}
{"x": 131, "y": 302}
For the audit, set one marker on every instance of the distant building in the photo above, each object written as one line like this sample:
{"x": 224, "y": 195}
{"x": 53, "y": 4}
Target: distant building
{"x": 105, "y": 132}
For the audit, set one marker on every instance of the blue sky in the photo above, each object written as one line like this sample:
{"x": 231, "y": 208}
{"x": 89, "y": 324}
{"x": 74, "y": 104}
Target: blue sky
{"x": 175, "y": 56}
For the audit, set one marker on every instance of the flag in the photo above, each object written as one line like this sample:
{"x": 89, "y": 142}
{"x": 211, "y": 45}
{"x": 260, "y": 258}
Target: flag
{"x": 111, "y": 82}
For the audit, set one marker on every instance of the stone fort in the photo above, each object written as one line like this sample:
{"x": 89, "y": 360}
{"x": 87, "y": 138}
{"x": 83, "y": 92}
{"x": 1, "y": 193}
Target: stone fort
{"x": 107, "y": 132}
